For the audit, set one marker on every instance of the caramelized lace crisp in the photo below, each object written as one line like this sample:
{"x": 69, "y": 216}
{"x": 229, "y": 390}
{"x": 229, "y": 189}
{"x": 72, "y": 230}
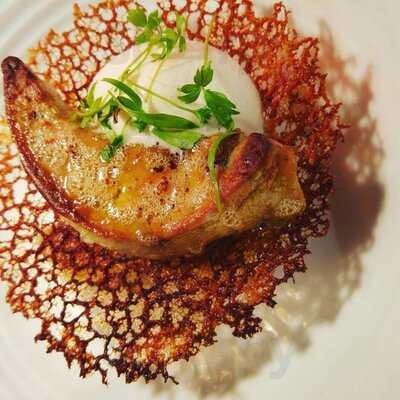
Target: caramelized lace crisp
{"x": 105, "y": 310}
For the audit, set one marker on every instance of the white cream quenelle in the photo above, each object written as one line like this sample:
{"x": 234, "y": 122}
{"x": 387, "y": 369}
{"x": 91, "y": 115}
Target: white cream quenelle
{"x": 178, "y": 70}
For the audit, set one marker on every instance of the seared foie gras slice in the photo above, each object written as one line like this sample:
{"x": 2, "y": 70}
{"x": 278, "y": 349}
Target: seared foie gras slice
{"x": 146, "y": 202}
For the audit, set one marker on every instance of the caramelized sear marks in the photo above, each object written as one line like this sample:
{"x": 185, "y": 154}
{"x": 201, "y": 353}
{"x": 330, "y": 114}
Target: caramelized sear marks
{"x": 146, "y": 202}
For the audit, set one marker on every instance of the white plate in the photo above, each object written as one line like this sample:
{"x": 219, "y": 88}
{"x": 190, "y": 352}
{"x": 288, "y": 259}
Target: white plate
{"x": 336, "y": 333}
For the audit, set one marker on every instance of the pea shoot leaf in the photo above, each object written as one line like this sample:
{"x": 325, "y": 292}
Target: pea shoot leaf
{"x": 204, "y": 75}
{"x": 137, "y": 17}
{"x": 184, "y": 140}
{"x": 90, "y": 96}
{"x": 133, "y": 96}
{"x": 166, "y": 122}
{"x": 144, "y": 37}
{"x": 170, "y": 34}
{"x": 191, "y": 93}
{"x": 222, "y": 108}
{"x": 128, "y": 103}
{"x": 182, "y": 44}
{"x": 180, "y": 23}
{"x": 111, "y": 149}
{"x": 140, "y": 125}
{"x": 108, "y": 110}
{"x": 203, "y": 114}
{"x": 154, "y": 20}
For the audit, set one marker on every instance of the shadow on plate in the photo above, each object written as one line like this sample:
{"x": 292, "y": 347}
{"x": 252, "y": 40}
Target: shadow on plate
{"x": 335, "y": 267}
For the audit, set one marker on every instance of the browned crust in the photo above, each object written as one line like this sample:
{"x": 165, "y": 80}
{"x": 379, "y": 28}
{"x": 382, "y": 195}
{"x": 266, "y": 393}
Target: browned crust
{"x": 248, "y": 157}
{"x": 245, "y": 160}
{"x": 16, "y": 77}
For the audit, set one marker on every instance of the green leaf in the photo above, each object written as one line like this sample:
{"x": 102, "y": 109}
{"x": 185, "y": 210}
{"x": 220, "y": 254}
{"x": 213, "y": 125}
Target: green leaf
{"x": 182, "y": 139}
{"x": 167, "y": 42}
{"x": 107, "y": 129}
{"x": 170, "y": 34}
{"x": 85, "y": 122}
{"x": 221, "y": 99}
{"x": 167, "y": 46}
{"x": 225, "y": 120}
{"x": 154, "y": 20}
{"x": 96, "y": 106}
{"x": 105, "y": 123}
{"x": 189, "y": 98}
{"x": 88, "y": 115}
{"x": 204, "y": 75}
{"x": 192, "y": 93}
{"x": 134, "y": 97}
{"x": 137, "y": 17}
{"x": 203, "y": 114}
{"x": 182, "y": 44}
{"x": 109, "y": 108}
{"x": 111, "y": 149}
{"x": 140, "y": 125}
{"x": 90, "y": 95}
{"x": 189, "y": 88}
{"x": 212, "y": 154}
{"x": 180, "y": 23}
{"x": 155, "y": 39}
{"x": 222, "y": 108}
{"x": 166, "y": 122}
{"x": 128, "y": 103}
{"x": 144, "y": 37}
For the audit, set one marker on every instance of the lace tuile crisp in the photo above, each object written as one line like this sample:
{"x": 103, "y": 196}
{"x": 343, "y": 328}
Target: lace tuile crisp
{"x": 105, "y": 310}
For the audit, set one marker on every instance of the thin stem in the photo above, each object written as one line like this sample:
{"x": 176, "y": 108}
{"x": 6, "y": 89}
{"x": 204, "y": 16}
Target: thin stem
{"x": 208, "y": 37}
{"x": 142, "y": 57}
{"x": 206, "y": 52}
{"x": 165, "y": 99}
{"x": 126, "y": 74}
{"x": 133, "y": 62}
{"x": 141, "y": 62}
{"x": 153, "y": 79}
